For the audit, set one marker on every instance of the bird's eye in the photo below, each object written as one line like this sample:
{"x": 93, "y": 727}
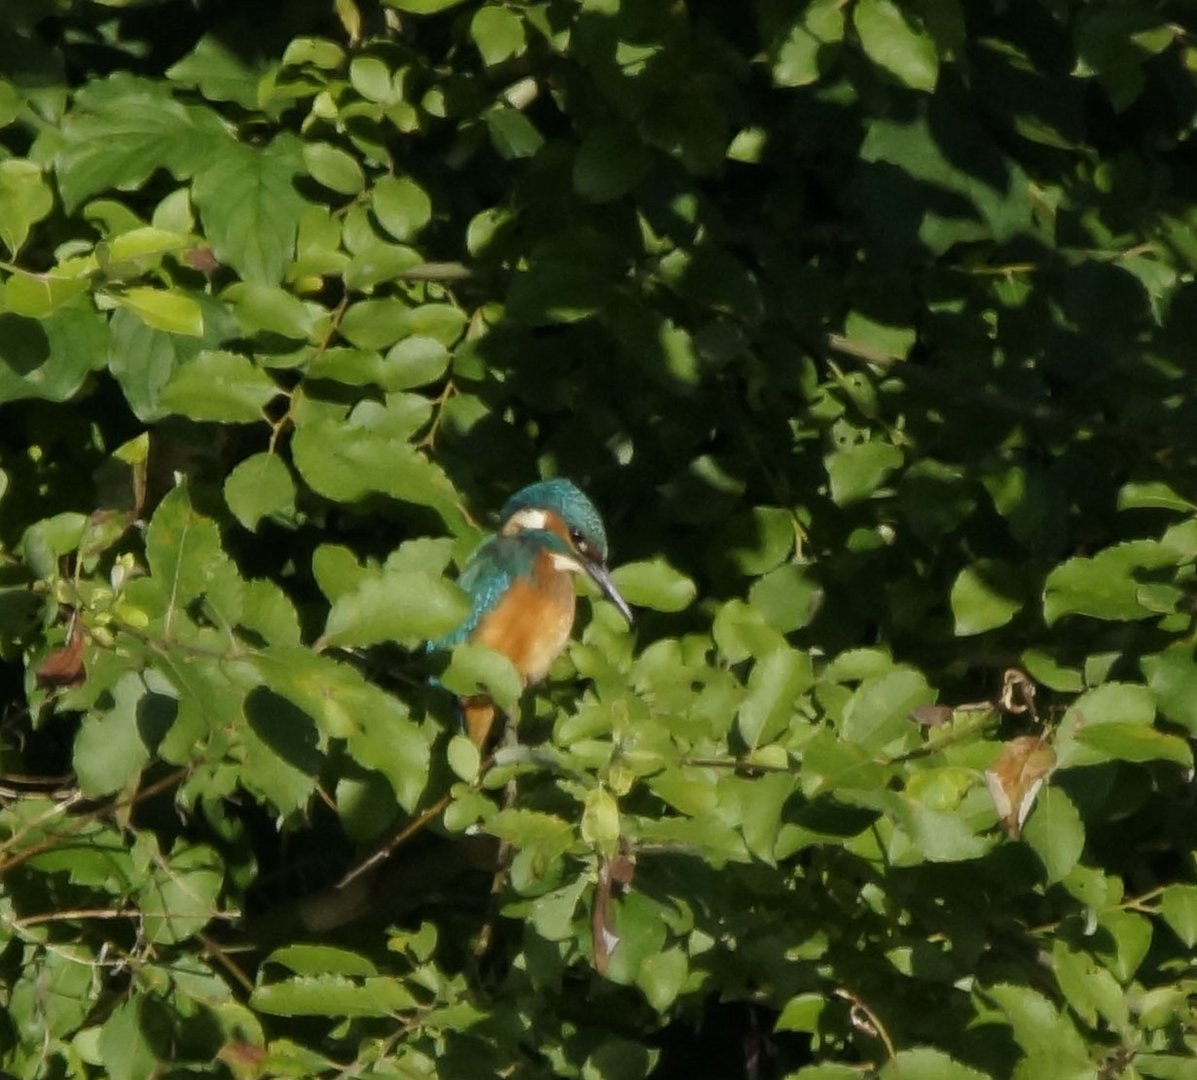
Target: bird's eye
{"x": 581, "y": 545}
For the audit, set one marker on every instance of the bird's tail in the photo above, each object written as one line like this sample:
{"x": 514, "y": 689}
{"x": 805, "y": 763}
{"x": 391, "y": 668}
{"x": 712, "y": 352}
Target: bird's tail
{"x": 478, "y": 712}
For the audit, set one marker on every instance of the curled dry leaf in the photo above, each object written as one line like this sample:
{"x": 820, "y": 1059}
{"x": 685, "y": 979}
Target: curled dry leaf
{"x": 1015, "y": 778}
{"x": 64, "y": 665}
{"x": 1018, "y": 693}
{"x": 616, "y": 872}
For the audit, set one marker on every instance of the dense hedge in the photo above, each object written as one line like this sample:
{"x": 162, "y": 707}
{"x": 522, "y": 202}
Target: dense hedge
{"x": 869, "y": 324}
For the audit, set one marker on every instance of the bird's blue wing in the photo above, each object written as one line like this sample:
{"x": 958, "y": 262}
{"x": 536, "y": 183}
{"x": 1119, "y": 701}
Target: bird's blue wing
{"x": 486, "y": 578}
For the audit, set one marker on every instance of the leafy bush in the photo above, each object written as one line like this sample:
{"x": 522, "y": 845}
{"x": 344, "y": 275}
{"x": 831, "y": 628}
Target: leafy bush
{"x": 870, "y": 327}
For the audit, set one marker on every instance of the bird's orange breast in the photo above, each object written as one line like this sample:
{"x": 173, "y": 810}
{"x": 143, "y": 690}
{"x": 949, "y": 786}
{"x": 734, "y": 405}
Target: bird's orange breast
{"x": 532, "y": 622}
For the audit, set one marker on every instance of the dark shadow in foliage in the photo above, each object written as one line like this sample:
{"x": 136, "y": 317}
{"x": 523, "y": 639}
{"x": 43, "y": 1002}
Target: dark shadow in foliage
{"x": 155, "y": 715}
{"x": 287, "y": 730}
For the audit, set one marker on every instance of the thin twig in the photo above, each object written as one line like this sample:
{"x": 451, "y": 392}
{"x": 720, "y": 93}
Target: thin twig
{"x": 79, "y": 823}
{"x": 874, "y": 1026}
{"x": 418, "y": 823}
{"x": 217, "y": 952}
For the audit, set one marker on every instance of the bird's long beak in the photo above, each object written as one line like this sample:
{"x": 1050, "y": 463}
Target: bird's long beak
{"x": 603, "y": 580}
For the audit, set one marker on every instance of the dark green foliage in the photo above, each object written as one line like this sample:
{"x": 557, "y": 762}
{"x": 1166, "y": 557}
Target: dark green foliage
{"x": 868, "y": 326}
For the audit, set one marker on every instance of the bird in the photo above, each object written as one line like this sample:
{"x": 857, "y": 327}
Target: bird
{"x": 521, "y": 589}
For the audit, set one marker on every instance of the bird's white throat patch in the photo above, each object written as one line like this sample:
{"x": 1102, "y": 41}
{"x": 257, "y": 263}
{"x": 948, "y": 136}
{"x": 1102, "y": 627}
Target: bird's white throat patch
{"x": 525, "y": 519}
{"x": 564, "y": 562}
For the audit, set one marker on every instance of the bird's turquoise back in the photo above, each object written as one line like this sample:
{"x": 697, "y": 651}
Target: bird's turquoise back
{"x": 492, "y": 568}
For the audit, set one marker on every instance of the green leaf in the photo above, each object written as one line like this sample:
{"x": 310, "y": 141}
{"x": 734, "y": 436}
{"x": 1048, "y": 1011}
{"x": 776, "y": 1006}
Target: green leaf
{"x": 1104, "y": 586}
{"x": 407, "y": 606}
{"x": 267, "y": 307}
{"x": 871, "y": 334}
{"x": 220, "y": 386}
{"x": 610, "y": 162}
{"x": 928, "y": 1063}
{"x": 498, "y": 33}
{"x": 114, "y": 746}
{"x": 333, "y": 995}
{"x": 260, "y": 487}
{"x": 250, "y": 207}
{"x": 142, "y": 359}
{"x": 121, "y": 129}
{"x": 50, "y": 358}
{"x": 182, "y": 548}
{"x": 371, "y": 78}
{"x": 1172, "y": 676}
{"x": 475, "y": 669}
{"x": 788, "y": 597}
{"x": 1090, "y": 990}
{"x": 178, "y": 898}
{"x": 512, "y": 133}
{"x": 759, "y": 541}
{"x": 334, "y": 168}
{"x": 348, "y": 464}
{"x": 774, "y": 688}
{"x": 1178, "y": 906}
{"x": 984, "y": 597}
{"x": 308, "y": 959}
{"x": 1111, "y": 38}
{"x": 142, "y": 247}
{"x": 938, "y": 835}
{"x": 812, "y": 41}
{"x": 319, "y": 52}
{"x": 857, "y": 471}
{"x": 1046, "y": 1037}
{"x": 662, "y": 977}
{"x": 826, "y": 1072}
{"x": 163, "y": 309}
{"x": 878, "y": 712}
{"x": 986, "y": 200}
{"x": 402, "y": 207}
{"x": 600, "y": 821}
{"x": 1151, "y": 495}
{"x": 414, "y": 361}
{"x": 894, "y": 42}
{"x": 1125, "y": 941}
{"x": 654, "y": 584}
{"x": 423, "y": 7}
{"x": 283, "y": 752}
{"x": 1055, "y": 832}
{"x": 464, "y": 758}
{"x": 379, "y": 733}
{"x": 1135, "y": 742}
{"x": 375, "y": 324}
{"x": 801, "y": 1013}
{"x": 218, "y": 71}
{"x": 10, "y": 103}
{"x": 129, "y": 1035}
{"x": 39, "y": 295}
{"x": 25, "y": 199}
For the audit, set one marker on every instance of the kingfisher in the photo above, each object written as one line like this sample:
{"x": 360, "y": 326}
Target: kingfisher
{"x": 521, "y": 589}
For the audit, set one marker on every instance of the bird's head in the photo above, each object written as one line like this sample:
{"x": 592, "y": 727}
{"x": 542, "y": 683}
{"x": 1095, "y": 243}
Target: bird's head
{"x": 560, "y": 507}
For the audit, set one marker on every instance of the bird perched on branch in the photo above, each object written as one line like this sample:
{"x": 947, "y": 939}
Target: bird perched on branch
{"x": 520, "y": 584}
